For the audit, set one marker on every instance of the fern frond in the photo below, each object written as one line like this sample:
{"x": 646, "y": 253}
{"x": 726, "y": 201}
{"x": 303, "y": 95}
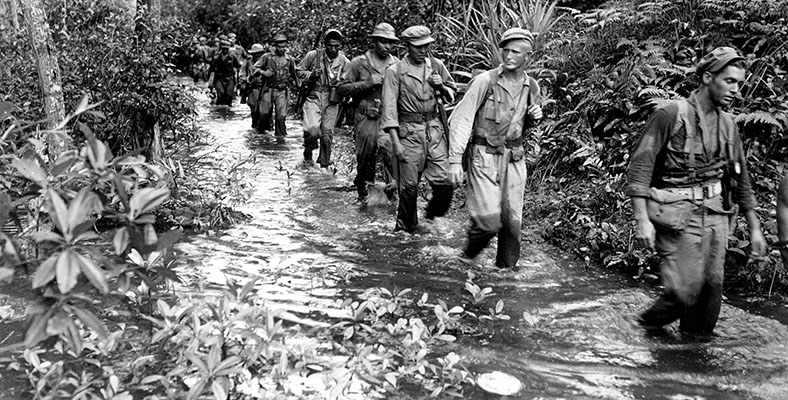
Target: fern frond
{"x": 760, "y": 118}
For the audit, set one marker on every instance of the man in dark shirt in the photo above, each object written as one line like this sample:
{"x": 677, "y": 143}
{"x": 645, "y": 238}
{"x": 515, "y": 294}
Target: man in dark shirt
{"x": 278, "y": 70}
{"x": 223, "y": 70}
{"x": 685, "y": 175}
{"x": 363, "y": 81}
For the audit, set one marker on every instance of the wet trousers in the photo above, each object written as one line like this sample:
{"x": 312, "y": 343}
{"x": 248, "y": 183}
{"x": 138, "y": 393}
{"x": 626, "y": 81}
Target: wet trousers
{"x": 692, "y": 272}
{"x": 225, "y": 90}
{"x": 372, "y": 144}
{"x": 274, "y": 100}
{"x": 319, "y": 119}
{"x": 252, "y": 101}
{"x": 425, "y": 152}
{"x": 495, "y": 204}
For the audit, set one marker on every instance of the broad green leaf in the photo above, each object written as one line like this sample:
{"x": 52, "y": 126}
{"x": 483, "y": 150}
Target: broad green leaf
{"x": 48, "y": 236}
{"x": 196, "y": 390}
{"x": 37, "y": 330}
{"x": 98, "y": 154}
{"x": 219, "y": 391}
{"x": 214, "y": 357}
{"x": 95, "y": 275}
{"x": 90, "y": 320}
{"x": 64, "y": 162}
{"x": 121, "y": 240}
{"x": 73, "y": 337}
{"x": 83, "y": 105}
{"x": 84, "y": 203}
{"x": 30, "y": 170}
{"x": 446, "y": 338}
{"x": 45, "y": 272}
{"x": 67, "y": 271}
{"x": 146, "y": 200}
{"x": 197, "y": 362}
{"x": 59, "y": 213}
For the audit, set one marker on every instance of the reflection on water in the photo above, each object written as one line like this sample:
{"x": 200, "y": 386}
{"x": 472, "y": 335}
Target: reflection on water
{"x": 312, "y": 245}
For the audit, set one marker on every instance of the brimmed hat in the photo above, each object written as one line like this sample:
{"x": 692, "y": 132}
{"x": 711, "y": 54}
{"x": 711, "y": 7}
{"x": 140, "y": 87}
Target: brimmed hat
{"x": 384, "y": 31}
{"x": 256, "y": 48}
{"x": 516, "y": 34}
{"x": 333, "y": 34}
{"x": 279, "y": 38}
{"x": 417, "y": 35}
{"x": 224, "y": 44}
{"x": 718, "y": 59}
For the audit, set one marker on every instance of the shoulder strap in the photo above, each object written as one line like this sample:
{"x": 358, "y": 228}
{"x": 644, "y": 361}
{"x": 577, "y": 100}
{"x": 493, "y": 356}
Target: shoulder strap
{"x": 683, "y": 118}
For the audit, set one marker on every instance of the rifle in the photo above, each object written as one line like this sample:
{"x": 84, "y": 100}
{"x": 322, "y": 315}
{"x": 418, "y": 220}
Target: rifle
{"x": 308, "y": 84}
{"x": 441, "y": 107}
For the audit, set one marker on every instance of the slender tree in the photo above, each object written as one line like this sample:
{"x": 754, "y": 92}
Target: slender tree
{"x": 13, "y": 12}
{"x": 35, "y": 20}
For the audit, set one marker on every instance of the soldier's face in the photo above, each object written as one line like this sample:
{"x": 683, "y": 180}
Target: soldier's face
{"x": 724, "y": 86}
{"x": 332, "y": 47}
{"x": 514, "y": 54}
{"x": 280, "y": 48}
{"x": 383, "y": 46}
{"x": 418, "y": 53}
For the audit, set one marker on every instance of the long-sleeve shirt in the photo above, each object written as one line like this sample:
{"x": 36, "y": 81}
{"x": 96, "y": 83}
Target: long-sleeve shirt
{"x": 330, "y": 70}
{"x": 283, "y": 68}
{"x": 660, "y": 152}
{"x": 411, "y": 91}
{"x": 357, "y": 82}
{"x": 467, "y": 116}
{"x": 224, "y": 66}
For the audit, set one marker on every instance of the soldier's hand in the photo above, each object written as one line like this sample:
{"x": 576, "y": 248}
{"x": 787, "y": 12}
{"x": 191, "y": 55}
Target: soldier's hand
{"x": 267, "y": 73}
{"x": 757, "y": 244}
{"x": 455, "y": 174}
{"x": 398, "y": 150}
{"x": 436, "y": 80}
{"x": 535, "y": 112}
{"x": 315, "y": 74}
{"x": 645, "y": 234}
{"x": 376, "y": 79}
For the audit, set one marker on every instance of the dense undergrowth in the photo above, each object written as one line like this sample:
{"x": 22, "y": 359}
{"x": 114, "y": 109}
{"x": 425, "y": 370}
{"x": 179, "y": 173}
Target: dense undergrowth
{"x": 603, "y": 71}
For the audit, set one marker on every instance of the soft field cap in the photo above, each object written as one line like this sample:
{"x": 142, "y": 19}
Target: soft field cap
{"x": 224, "y": 44}
{"x": 333, "y": 34}
{"x": 718, "y": 59}
{"x": 384, "y": 31}
{"x": 279, "y": 38}
{"x": 417, "y": 35}
{"x": 256, "y": 48}
{"x": 516, "y": 34}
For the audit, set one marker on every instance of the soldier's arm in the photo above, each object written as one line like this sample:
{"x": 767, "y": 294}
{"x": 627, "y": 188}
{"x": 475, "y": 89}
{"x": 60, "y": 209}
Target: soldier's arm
{"x": 641, "y": 169}
{"x": 449, "y": 85}
{"x": 304, "y": 68}
{"x": 350, "y": 85}
{"x": 462, "y": 118}
{"x": 744, "y": 196}
{"x": 782, "y": 217}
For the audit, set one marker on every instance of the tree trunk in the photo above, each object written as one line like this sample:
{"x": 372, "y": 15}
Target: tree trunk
{"x": 48, "y": 70}
{"x": 13, "y": 11}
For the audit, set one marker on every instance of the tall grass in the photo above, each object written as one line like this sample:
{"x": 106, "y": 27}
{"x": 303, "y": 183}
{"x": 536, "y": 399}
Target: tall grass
{"x": 475, "y": 29}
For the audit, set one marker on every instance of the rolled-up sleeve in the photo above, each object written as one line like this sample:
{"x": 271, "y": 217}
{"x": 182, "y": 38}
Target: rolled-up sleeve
{"x": 641, "y": 163}
{"x": 462, "y": 118}
{"x": 389, "y": 99}
{"x": 743, "y": 194}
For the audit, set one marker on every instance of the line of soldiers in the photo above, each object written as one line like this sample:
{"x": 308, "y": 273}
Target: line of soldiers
{"x": 686, "y": 178}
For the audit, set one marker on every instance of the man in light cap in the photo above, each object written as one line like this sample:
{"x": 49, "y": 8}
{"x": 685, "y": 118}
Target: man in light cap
{"x": 279, "y": 73}
{"x": 322, "y": 69}
{"x": 686, "y": 177}
{"x": 363, "y": 81}
{"x": 252, "y": 82}
{"x": 411, "y": 88}
{"x": 223, "y": 73}
{"x": 498, "y": 107}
